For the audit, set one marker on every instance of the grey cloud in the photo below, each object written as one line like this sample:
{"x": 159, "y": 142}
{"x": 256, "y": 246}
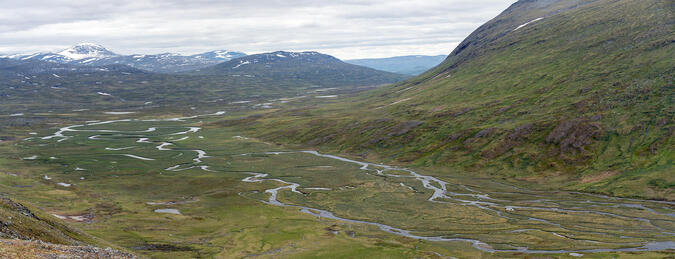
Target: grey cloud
{"x": 345, "y": 28}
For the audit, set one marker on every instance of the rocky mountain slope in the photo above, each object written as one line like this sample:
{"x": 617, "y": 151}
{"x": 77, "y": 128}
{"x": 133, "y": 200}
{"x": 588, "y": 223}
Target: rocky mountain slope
{"x": 304, "y": 67}
{"x": 11, "y": 248}
{"x": 407, "y": 65}
{"x": 562, "y": 94}
{"x": 90, "y": 54}
{"x": 27, "y": 233}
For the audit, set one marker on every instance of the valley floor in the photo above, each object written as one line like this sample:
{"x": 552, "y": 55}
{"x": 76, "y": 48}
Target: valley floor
{"x": 182, "y": 187}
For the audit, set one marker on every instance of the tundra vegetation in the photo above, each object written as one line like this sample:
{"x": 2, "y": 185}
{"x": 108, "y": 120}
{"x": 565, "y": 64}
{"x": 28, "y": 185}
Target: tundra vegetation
{"x": 547, "y": 131}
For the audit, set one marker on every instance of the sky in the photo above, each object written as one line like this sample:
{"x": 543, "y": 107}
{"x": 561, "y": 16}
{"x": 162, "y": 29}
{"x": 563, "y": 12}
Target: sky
{"x": 346, "y": 29}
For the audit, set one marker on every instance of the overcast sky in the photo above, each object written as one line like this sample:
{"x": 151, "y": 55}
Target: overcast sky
{"x": 343, "y": 28}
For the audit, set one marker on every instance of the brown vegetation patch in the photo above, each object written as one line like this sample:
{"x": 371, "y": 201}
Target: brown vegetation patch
{"x": 573, "y": 135}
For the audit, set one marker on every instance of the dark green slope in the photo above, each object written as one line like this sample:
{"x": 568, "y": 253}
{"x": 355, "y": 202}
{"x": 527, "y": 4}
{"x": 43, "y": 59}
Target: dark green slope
{"x": 582, "y": 98}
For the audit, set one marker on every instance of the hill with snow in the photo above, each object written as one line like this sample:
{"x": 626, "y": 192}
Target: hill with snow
{"x": 90, "y": 54}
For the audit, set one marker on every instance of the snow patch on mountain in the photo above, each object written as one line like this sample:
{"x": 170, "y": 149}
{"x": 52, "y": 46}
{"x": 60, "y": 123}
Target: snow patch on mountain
{"x": 86, "y": 50}
{"x": 241, "y": 63}
{"x": 223, "y": 54}
{"x": 525, "y": 24}
{"x": 90, "y": 54}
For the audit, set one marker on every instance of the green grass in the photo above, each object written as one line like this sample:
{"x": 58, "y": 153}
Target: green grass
{"x": 580, "y": 93}
{"x": 223, "y": 216}
{"x": 581, "y": 100}
{"x": 215, "y": 221}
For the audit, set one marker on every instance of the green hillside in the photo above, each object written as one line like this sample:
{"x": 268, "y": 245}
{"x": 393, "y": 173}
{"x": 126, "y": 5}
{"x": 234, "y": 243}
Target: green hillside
{"x": 300, "y": 155}
{"x": 571, "y": 94}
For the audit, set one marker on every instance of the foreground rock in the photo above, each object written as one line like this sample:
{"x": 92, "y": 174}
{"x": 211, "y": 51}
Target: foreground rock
{"x": 37, "y": 249}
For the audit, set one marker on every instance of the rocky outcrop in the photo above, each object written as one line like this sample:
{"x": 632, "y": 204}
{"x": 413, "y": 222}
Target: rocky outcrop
{"x": 26, "y": 232}
{"x": 38, "y": 249}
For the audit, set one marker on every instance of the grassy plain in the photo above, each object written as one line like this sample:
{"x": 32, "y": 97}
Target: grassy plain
{"x": 114, "y": 197}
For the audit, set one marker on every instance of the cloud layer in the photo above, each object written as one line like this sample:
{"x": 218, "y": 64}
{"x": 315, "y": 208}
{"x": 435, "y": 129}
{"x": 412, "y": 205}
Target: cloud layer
{"x": 344, "y": 28}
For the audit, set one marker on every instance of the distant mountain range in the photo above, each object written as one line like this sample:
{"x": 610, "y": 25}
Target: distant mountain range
{"x": 308, "y": 67}
{"x": 89, "y": 54}
{"x": 16, "y": 67}
{"x": 61, "y": 82}
{"x": 408, "y": 65}
{"x": 296, "y": 68}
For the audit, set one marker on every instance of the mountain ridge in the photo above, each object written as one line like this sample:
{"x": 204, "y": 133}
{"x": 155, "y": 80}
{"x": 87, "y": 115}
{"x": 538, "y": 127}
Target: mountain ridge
{"x": 91, "y": 54}
{"x": 13, "y": 67}
{"x": 309, "y": 67}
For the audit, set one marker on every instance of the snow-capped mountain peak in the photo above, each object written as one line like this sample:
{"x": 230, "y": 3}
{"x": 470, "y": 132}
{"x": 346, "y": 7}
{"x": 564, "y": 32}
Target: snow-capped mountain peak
{"x": 90, "y": 54}
{"x": 86, "y": 50}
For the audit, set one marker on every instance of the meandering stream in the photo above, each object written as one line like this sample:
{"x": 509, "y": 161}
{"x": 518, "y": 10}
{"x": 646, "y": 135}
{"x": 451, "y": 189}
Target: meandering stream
{"x": 500, "y": 203}
{"x": 442, "y": 192}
